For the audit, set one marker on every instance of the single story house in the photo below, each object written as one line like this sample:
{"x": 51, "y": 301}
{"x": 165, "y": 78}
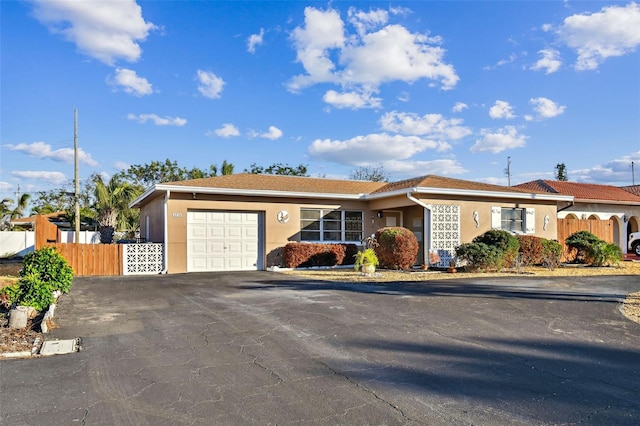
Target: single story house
{"x": 616, "y": 207}
{"x": 242, "y": 221}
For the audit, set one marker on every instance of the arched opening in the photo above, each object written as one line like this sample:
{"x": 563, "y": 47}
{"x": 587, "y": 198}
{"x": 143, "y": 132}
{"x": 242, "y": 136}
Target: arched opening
{"x": 615, "y": 227}
{"x": 632, "y": 225}
{"x": 594, "y": 217}
{"x": 571, "y": 216}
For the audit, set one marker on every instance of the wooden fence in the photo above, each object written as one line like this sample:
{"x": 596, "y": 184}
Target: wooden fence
{"x": 602, "y": 229}
{"x": 85, "y": 259}
{"x": 92, "y": 259}
{"x": 46, "y": 232}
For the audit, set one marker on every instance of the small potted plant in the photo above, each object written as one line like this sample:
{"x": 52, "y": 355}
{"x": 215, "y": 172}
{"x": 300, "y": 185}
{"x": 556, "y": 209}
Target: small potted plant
{"x": 452, "y": 266}
{"x": 366, "y": 261}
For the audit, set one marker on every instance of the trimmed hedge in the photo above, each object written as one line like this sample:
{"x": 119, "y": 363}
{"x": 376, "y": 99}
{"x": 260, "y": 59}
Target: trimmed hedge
{"x": 504, "y": 242}
{"x": 531, "y": 250}
{"x": 397, "y": 247}
{"x": 304, "y": 255}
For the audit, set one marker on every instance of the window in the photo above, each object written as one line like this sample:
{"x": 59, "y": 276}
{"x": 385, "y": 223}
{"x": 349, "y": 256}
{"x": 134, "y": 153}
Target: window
{"x": 330, "y": 225}
{"x": 512, "y": 220}
{"x": 515, "y": 220}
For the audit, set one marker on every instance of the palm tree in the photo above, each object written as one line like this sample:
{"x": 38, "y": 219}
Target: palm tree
{"x": 112, "y": 204}
{"x": 227, "y": 168}
{"x": 21, "y": 206}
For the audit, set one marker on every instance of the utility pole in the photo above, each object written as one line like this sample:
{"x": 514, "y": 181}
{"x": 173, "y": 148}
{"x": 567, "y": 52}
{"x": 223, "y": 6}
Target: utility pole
{"x": 633, "y": 175}
{"x": 17, "y": 194}
{"x": 507, "y": 171}
{"x": 76, "y": 173}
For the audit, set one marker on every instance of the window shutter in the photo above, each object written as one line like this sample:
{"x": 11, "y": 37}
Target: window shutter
{"x": 530, "y": 221}
{"x": 496, "y": 218}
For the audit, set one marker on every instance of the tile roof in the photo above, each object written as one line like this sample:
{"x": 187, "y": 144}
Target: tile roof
{"x": 582, "y": 191}
{"x": 283, "y": 183}
{"x": 634, "y": 189}
{"x": 433, "y": 181}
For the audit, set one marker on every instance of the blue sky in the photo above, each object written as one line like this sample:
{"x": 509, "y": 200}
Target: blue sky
{"x": 448, "y": 88}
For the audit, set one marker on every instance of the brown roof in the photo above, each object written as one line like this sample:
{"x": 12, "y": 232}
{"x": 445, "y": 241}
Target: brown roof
{"x": 634, "y": 189}
{"x": 282, "y": 183}
{"x": 582, "y": 191}
{"x": 432, "y": 181}
{"x": 32, "y": 219}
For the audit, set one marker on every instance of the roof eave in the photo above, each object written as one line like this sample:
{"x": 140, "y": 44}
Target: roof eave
{"x": 246, "y": 192}
{"x": 474, "y": 192}
{"x": 591, "y": 200}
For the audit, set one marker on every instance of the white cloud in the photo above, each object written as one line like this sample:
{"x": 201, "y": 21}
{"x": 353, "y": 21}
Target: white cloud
{"x": 5, "y": 186}
{"x": 459, "y": 107}
{"x": 361, "y": 60}
{"x": 131, "y": 83}
{"x": 43, "y": 150}
{"x": 255, "y": 40}
{"x": 367, "y": 21}
{"x": 121, "y": 165}
{"x": 322, "y": 31}
{"x": 433, "y": 126}
{"x": 550, "y": 61}
{"x": 369, "y": 149}
{"x": 502, "y": 62}
{"x": 546, "y": 108}
{"x": 227, "y": 130}
{"x": 56, "y": 178}
{"x": 613, "y": 31}
{"x": 104, "y": 30}
{"x": 501, "y": 109}
{"x": 352, "y": 100}
{"x": 157, "y": 120}
{"x": 614, "y": 172}
{"x": 442, "y": 167}
{"x": 273, "y": 133}
{"x": 210, "y": 84}
{"x": 503, "y": 139}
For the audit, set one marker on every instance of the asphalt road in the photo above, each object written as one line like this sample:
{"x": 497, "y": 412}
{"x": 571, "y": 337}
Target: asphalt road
{"x": 263, "y": 348}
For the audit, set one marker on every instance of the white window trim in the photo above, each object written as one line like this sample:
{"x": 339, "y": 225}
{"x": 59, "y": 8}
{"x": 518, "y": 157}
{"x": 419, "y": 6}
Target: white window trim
{"x": 528, "y": 225}
{"x": 343, "y": 230}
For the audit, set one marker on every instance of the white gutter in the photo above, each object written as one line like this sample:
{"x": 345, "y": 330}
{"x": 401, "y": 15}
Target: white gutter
{"x": 472, "y": 192}
{"x": 427, "y": 207}
{"x": 256, "y": 192}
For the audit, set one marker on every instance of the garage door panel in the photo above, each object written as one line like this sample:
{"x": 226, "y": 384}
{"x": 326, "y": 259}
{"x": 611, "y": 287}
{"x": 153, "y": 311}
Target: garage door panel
{"x": 219, "y": 241}
{"x": 216, "y": 231}
{"x": 233, "y": 232}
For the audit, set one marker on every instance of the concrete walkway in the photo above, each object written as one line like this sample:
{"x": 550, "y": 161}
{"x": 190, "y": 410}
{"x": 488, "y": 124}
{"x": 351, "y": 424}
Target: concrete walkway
{"x": 262, "y": 348}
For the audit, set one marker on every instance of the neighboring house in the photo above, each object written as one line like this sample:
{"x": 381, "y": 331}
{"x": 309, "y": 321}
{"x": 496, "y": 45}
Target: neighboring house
{"x": 242, "y": 221}
{"x": 619, "y": 207}
{"x": 634, "y": 189}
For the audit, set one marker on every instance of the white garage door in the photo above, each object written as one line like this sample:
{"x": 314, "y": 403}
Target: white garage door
{"x": 223, "y": 241}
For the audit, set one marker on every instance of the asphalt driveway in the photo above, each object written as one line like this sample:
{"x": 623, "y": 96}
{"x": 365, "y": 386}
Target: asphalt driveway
{"x": 263, "y": 348}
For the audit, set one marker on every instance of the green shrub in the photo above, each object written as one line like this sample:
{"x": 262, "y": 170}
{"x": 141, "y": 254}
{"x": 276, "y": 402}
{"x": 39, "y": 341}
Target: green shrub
{"x": 551, "y": 254}
{"x": 35, "y": 292}
{"x": 43, "y": 272}
{"x": 602, "y": 253}
{"x": 580, "y": 242}
{"x": 531, "y": 250}
{"x": 48, "y": 266}
{"x": 479, "y": 256}
{"x": 397, "y": 247}
{"x": 506, "y": 244}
